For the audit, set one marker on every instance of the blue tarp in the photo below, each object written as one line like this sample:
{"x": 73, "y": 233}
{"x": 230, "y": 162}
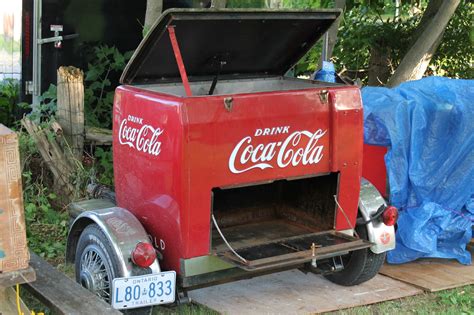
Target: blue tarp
{"x": 428, "y": 126}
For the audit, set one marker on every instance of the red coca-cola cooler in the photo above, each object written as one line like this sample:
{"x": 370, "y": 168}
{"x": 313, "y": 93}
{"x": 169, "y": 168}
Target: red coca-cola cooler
{"x": 225, "y": 168}
{"x": 374, "y": 168}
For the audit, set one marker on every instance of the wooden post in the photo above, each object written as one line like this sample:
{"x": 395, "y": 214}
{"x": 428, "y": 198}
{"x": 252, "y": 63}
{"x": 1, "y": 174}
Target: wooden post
{"x": 70, "y": 111}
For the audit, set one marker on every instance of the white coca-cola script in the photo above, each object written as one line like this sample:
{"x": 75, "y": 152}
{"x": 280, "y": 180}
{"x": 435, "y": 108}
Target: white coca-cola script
{"x": 143, "y": 138}
{"x": 300, "y": 147}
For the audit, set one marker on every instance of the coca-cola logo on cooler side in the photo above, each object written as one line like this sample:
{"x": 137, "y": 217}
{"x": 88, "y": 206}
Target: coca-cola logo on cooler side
{"x": 143, "y": 138}
{"x": 301, "y": 147}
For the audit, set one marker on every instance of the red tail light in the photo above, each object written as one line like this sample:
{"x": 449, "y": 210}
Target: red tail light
{"x": 390, "y": 216}
{"x": 143, "y": 255}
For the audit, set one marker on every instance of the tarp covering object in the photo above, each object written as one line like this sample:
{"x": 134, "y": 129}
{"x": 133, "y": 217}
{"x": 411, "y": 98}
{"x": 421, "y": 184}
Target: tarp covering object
{"x": 428, "y": 126}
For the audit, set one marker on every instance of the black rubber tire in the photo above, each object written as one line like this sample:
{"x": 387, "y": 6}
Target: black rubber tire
{"x": 359, "y": 266}
{"x": 93, "y": 235}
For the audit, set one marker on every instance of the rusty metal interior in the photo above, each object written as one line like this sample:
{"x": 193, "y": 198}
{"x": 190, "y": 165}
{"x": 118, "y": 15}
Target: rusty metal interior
{"x": 236, "y": 86}
{"x": 261, "y": 214}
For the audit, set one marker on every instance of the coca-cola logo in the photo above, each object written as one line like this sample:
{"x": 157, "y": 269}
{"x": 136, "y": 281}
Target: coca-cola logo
{"x": 143, "y": 138}
{"x": 300, "y": 147}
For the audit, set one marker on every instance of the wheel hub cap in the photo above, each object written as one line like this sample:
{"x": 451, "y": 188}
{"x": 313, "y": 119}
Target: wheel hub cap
{"x": 95, "y": 274}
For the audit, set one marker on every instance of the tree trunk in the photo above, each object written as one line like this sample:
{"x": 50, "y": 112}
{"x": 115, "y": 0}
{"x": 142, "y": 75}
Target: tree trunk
{"x": 218, "y": 4}
{"x": 153, "y": 11}
{"x": 415, "y": 62}
{"x": 379, "y": 65}
{"x": 430, "y": 12}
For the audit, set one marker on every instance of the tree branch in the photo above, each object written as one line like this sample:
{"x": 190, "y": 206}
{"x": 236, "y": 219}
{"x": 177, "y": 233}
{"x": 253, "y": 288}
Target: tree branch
{"x": 415, "y": 62}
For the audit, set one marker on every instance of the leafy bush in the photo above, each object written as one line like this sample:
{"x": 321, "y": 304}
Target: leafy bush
{"x": 101, "y": 78}
{"x": 47, "y": 106}
{"x": 360, "y": 31}
{"x": 9, "y": 92}
{"x": 454, "y": 57}
{"x": 104, "y": 166}
{"x": 366, "y": 26}
{"x": 46, "y": 215}
{"x": 46, "y": 227}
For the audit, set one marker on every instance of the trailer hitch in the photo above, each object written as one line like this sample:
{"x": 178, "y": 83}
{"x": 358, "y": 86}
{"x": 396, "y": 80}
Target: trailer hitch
{"x": 326, "y": 266}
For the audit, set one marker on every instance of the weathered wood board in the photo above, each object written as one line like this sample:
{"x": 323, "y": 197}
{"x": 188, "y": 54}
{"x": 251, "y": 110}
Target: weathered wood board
{"x": 63, "y": 295}
{"x": 431, "y": 274}
{"x": 70, "y": 112}
{"x": 8, "y": 279}
{"x": 293, "y": 292}
{"x": 8, "y": 303}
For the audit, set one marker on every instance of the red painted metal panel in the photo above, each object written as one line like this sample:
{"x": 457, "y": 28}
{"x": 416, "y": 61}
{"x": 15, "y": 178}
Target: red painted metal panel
{"x": 169, "y": 152}
{"x": 348, "y": 147}
{"x": 374, "y": 169}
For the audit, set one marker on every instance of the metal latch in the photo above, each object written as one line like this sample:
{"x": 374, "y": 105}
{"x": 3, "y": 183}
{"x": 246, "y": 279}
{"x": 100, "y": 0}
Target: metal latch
{"x": 323, "y": 96}
{"x": 228, "y": 103}
{"x": 57, "y": 38}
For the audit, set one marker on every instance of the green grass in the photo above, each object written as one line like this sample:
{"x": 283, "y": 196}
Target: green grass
{"x": 455, "y": 301}
{"x": 189, "y": 309}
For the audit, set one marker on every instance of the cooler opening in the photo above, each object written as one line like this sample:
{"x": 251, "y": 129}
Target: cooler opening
{"x": 237, "y": 86}
{"x": 259, "y": 214}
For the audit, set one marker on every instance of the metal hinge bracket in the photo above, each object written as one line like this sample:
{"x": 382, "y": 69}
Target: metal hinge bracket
{"x": 323, "y": 96}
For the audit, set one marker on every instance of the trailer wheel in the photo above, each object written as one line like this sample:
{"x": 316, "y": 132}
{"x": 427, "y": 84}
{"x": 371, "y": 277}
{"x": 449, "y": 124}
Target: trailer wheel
{"x": 359, "y": 266}
{"x": 95, "y": 263}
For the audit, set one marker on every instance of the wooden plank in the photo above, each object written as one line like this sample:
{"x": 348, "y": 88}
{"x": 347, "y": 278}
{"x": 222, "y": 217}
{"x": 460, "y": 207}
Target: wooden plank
{"x": 293, "y": 292}
{"x": 98, "y": 136}
{"x": 431, "y": 274}
{"x": 8, "y": 303}
{"x": 63, "y": 295}
{"x": 8, "y": 279}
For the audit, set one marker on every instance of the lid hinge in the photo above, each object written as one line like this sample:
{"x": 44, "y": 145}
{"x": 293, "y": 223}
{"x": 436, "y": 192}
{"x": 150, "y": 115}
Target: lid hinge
{"x": 179, "y": 60}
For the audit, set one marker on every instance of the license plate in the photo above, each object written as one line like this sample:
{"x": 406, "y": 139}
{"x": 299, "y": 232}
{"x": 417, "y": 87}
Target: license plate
{"x": 140, "y": 291}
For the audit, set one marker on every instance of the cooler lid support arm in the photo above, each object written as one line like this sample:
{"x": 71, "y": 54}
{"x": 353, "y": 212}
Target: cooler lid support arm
{"x": 179, "y": 60}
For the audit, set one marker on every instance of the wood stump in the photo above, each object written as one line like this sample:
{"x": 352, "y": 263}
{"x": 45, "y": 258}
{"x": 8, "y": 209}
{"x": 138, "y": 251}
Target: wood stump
{"x": 70, "y": 111}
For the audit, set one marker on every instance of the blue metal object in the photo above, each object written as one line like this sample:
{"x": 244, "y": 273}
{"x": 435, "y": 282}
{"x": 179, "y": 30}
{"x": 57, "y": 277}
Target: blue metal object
{"x": 327, "y": 73}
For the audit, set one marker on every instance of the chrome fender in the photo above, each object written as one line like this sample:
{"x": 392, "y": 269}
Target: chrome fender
{"x": 380, "y": 235}
{"x": 123, "y": 231}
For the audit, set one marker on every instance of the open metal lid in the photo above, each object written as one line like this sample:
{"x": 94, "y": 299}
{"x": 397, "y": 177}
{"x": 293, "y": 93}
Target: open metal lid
{"x": 233, "y": 43}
